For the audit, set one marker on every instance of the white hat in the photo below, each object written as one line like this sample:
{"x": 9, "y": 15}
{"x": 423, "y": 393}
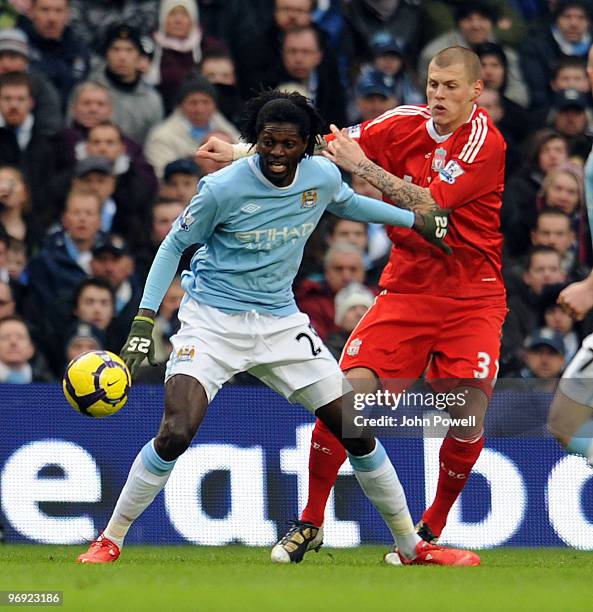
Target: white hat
{"x": 352, "y": 295}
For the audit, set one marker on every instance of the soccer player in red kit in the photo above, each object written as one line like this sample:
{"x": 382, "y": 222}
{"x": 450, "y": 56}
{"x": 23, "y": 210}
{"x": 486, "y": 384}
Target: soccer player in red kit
{"x": 440, "y": 314}
{"x": 437, "y": 314}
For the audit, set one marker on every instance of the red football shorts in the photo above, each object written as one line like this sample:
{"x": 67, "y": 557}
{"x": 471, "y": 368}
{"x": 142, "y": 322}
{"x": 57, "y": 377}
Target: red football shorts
{"x": 403, "y": 336}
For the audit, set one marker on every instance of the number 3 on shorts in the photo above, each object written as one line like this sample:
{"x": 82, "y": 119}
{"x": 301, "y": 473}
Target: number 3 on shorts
{"x": 484, "y": 363}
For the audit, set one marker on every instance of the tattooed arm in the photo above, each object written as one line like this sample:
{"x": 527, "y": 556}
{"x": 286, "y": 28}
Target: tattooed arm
{"x": 400, "y": 192}
{"x": 347, "y": 154}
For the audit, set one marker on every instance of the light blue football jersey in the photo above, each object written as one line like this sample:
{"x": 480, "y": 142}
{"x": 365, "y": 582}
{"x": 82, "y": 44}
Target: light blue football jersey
{"x": 253, "y": 235}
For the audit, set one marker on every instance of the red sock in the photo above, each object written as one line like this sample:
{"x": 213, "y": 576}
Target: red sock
{"x": 325, "y": 459}
{"x": 456, "y": 458}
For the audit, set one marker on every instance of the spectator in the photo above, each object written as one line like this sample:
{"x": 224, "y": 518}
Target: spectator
{"x": 14, "y": 57}
{"x": 91, "y": 19}
{"x": 219, "y": 69}
{"x": 7, "y": 302}
{"x": 570, "y": 73}
{"x": 525, "y": 304}
{"x": 84, "y": 338}
{"x": 21, "y": 142}
{"x": 547, "y": 150}
{"x": 343, "y": 264}
{"x": 16, "y": 261}
{"x": 260, "y": 61}
{"x": 181, "y": 179}
{"x": 137, "y": 107}
{"x": 303, "y": 62}
{"x": 491, "y": 100}
{"x": 194, "y": 118}
{"x": 559, "y": 321}
{"x": 553, "y": 228}
{"x": 94, "y": 303}
{"x": 18, "y": 365}
{"x": 365, "y": 18}
{"x": 544, "y": 357}
{"x": 56, "y": 271}
{"x": 570, "y": 119}
{"x": 164, "y": 213}
{"x": 351, "y": 303}
{"x": 90, "y": 104}
{"x": 438, "y": 16}
{"x": 568, "y": 35}
{"x": 135, "y": 176}
{"x": 374, "y": 96}
{"x": 563, "y": 189}
{"x": 516, "y": 121}
{"x": 113, "y": 262}
{"x": 15, "y": 208}
{"x": 179, "y": 46}
{"x": 475, "y": 25}
{"x": 388, "y": 58}
{"x": 55, "y": 50}
{"x": 239, "y": 25}
{"x": 121, "y": 212}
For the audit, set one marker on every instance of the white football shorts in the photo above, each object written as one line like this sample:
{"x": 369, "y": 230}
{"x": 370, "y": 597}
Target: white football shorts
{"x": 577, "y": 380}
{"x": 285, "y": 353}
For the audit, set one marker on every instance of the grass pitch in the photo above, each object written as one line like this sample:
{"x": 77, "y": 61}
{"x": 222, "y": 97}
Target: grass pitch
{"x": 238, "y": 578}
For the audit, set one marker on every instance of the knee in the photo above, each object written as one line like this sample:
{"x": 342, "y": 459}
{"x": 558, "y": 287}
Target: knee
{"x": 173, "y": 439}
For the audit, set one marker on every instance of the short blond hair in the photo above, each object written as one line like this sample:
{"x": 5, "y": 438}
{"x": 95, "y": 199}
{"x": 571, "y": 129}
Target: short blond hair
{"x": 460, "y": 55}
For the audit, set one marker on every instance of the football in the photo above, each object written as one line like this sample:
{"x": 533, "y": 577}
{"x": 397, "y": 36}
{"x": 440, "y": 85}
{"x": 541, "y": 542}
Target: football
{"x": 97, "y": 383}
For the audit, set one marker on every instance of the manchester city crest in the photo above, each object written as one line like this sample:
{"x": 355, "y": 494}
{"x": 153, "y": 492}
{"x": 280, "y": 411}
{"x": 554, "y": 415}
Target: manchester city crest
{"x": 309, "y": 199}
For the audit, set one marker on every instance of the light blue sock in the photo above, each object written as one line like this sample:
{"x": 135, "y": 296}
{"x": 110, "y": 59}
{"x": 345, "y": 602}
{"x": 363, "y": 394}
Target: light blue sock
{"x": 378, "y": 479}
{"x": 153, "y": 462}
{"x": 148, "y": 476}
{"x": 582, "y": 441}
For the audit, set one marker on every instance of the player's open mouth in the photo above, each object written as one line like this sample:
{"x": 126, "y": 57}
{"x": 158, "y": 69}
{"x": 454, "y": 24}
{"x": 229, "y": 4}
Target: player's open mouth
{"x": 277, "y": 167}
{"x": 439, "y": 108}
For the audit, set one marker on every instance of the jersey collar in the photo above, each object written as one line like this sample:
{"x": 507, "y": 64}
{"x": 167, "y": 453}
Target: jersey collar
{"x": 436, "y": 136}
{"x": 253, "y": 162}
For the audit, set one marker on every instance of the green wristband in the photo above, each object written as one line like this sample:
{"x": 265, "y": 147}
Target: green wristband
{"x": 145, "y": 319}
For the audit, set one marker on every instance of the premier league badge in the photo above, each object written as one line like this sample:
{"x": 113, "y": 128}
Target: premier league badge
{"x": 439, "y": 159}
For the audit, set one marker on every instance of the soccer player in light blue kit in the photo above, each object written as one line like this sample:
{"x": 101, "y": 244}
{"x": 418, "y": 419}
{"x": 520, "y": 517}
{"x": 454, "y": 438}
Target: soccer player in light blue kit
{"x": 239, "y": 314}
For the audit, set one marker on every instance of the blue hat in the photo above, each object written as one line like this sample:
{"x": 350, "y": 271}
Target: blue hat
{"x": 545, "y": 337}
{"x": 570, "y": 98}
{"x": 374, "y": 83}
{"x": 185, "y": 165}
{"x": 384, "y": 42}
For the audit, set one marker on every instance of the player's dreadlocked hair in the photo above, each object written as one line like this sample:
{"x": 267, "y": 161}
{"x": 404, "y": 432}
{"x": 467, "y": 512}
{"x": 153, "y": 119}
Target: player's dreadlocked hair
{"x": 274, "y": 106}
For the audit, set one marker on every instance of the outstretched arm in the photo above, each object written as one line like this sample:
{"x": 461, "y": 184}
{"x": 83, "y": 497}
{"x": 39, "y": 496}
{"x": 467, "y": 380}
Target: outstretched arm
{"x": 431, "y": 225}
{"x": 347, "y": 153}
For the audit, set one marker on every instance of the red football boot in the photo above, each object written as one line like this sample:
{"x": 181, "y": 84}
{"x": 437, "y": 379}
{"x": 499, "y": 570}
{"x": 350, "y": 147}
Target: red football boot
{"x": 101, "y": 550}
{"x": 433, "y": 554}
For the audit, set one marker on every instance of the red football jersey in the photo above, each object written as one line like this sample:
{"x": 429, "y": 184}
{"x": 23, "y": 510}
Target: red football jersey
{"x": 464, "y": 172}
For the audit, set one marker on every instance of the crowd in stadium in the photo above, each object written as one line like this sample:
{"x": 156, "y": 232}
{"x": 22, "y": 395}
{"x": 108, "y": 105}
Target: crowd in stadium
{"x": 103, "y": 105}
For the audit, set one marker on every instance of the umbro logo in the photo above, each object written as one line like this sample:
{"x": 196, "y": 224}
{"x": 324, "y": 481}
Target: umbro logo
{"x": 250, "y": 208}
